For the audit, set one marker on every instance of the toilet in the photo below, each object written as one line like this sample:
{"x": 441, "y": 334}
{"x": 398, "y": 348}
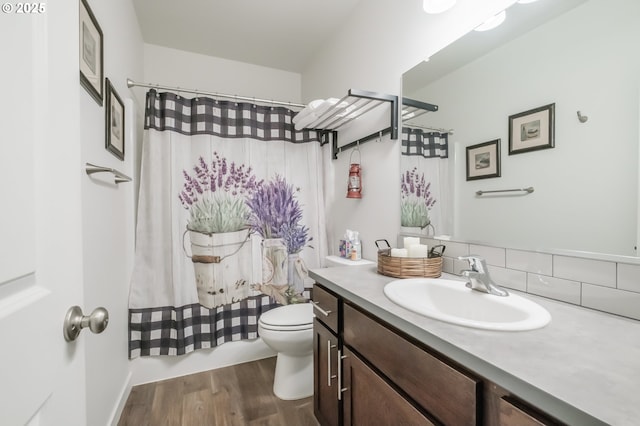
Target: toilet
{"x": 288, "y": 330}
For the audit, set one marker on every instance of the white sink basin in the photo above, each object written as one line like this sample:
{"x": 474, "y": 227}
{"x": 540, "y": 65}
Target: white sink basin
{"x": 451, "y": 301}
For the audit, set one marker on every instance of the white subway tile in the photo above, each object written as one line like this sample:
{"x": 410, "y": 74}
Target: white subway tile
{"x": 629, "y": 277}
{"x": 618, "y": 302}
{"x": 493, "y": 255}
{"x": 590, "y": 271}
{"x": 455, "y": 249}
{"x": 447, "y": 265}
{"x": 554, "y": 288}
{"x": 510, "y": 278}
{"x": 530, "y": 261}
{"x": 459, "y": 265}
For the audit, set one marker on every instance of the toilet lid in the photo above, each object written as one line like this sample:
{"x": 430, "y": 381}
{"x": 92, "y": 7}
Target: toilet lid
{"x": 295, "y": 315}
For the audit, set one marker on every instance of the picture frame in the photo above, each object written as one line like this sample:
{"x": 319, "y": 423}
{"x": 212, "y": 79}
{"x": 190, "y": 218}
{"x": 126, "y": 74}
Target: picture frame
{"x": 91, "y": 53}
{"x": 483, "y": 160}
{"x": 114, "y": 122}
{"x": 532, "y": 130}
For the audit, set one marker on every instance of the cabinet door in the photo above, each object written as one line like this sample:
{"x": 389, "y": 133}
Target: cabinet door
{"x": 513, "y": 413}
{"x": 369, "y": 400}
{"x": 325, "y": 365}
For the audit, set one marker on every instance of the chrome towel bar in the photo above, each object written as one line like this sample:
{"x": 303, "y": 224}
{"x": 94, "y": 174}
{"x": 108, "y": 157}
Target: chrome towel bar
{"x": 528, "y": 190}
{"x": 118, "y": 176}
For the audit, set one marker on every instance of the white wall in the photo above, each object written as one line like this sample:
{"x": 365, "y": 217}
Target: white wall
{"x": 177, "y": 68}
{"x": 108, "y": 220}
{"x": 593, "y": 166}
{"x": 171, "y": 67}
{"x": 383, "y": 39}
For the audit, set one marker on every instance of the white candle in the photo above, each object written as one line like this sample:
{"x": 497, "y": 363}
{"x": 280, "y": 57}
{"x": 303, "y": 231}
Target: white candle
{"x": 418, "y": 250}
{"x": 410, "y": 241}
{"x": 399, "y": 252}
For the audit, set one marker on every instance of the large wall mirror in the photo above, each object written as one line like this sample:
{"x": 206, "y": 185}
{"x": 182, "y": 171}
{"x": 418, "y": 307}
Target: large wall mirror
{"x": 582, "y": 57}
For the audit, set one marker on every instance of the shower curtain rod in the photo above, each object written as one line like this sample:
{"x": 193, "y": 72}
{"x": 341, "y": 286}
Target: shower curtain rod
{"x": 435, "y": 129}
{"x": 131, "y": 83}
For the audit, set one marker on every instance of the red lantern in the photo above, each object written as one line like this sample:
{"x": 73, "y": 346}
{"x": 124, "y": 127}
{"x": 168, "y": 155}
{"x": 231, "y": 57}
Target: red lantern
{"x": 354, "y": 185}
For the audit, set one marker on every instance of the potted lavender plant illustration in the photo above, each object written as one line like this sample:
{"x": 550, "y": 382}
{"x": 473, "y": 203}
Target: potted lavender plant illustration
{"x": 416, "y": 199}
{"x": 276, "y": 216}
{"x": 215, "y": 195}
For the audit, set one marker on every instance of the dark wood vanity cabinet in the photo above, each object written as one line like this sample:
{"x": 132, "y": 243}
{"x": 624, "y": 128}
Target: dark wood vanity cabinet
{"x": 325, "y": 380}
{"x": 370, "y": 400}
{"x": 326, "y": 405}
{"x": 367, "y": 373}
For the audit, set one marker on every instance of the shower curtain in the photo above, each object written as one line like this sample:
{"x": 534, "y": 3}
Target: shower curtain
{"x": 229, "y": 221}
{"x": 424, "y": 182}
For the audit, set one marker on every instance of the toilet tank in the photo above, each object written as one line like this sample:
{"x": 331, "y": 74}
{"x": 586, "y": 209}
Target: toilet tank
{"x": 333, "y": 261}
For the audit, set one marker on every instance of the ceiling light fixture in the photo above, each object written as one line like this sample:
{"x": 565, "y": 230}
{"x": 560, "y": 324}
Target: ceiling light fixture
{"x": 492, "y": 22}
{"x": 437, "y": 6}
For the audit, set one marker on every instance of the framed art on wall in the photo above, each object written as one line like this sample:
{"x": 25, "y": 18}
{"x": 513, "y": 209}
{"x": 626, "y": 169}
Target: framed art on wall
{"x": 532, "y": 130}
{"x": 114, "y": 122}
{"x": 91, "y": 53}
{"x": 483, "y": 160}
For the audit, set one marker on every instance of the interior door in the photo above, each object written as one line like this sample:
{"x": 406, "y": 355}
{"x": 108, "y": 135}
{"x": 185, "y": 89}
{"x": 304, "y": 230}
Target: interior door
{"x": 41, "y": 375}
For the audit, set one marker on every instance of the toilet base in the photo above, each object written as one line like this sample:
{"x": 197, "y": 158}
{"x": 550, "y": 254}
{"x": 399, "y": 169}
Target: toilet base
{"x": 293, "y": 378}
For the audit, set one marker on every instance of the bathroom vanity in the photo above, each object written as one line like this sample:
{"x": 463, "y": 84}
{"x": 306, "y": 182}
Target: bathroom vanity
{"x": 378, "y": 363}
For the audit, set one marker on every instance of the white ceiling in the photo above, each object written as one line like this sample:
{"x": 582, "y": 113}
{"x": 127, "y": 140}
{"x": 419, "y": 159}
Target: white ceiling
{"x": 282, "y": 34}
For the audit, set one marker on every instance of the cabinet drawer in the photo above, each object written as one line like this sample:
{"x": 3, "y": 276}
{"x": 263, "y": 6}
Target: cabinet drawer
{"x": 325, "y": 307}
{"x": 448, "y": 394}
{"x": 516, "y": 414}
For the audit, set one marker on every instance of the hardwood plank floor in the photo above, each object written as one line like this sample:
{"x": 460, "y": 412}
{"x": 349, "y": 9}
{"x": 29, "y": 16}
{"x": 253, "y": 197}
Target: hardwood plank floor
{"x": 238, "y": 395}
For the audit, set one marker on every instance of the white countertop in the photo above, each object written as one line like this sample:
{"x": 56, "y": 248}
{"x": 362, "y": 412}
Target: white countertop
{"x": 583, "y": 367}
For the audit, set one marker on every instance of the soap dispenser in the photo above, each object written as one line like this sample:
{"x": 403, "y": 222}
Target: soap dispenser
{"x": 356, "y": 247}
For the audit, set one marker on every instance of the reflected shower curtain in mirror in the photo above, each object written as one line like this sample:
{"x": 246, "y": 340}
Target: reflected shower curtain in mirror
{"x": 424, "y": 182}
{"x": 229, "y": 222}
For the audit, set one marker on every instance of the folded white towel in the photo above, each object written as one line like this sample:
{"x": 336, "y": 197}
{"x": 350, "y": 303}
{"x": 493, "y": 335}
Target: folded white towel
{"x": 305, "y": 121}
{"x": 307, "y": 110}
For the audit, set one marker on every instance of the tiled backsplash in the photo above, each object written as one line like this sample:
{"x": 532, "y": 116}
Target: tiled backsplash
{"x": 607, "y": 285}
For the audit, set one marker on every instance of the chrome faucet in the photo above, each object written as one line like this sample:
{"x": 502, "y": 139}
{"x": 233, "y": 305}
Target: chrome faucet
{"x": 479, "y": 278}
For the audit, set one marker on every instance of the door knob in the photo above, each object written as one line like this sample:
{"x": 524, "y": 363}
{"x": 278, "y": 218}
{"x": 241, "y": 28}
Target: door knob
{"x": 75, "y": 321}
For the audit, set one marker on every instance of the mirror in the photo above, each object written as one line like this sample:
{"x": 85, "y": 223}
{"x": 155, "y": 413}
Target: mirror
{"x": 579, "y": 55}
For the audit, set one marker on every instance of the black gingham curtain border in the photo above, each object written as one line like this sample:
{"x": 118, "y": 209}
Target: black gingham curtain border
{"x": 186, "y": 324}
{"x": 206, "y": 116}
{"x": 417, "y": 142}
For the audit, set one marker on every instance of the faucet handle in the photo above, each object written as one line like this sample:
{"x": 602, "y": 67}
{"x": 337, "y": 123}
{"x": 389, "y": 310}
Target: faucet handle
{"x": 477, "y": 263}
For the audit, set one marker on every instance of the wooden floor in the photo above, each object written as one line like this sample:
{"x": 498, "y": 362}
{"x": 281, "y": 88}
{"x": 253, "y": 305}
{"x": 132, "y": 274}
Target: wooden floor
{"x": 236, "y": 395}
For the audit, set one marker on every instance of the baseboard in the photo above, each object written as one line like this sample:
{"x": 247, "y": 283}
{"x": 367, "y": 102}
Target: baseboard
{"x": 122, "y": 401}
{"x": 156, "y": 368}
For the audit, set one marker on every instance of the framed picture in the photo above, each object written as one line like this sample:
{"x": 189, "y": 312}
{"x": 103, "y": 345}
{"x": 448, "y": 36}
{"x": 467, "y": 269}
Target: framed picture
{"x": 483, "y": 160}
{"x": 532, "y": 130}
{"x": 114, "y": 122}
{"x": 91, "y": 53}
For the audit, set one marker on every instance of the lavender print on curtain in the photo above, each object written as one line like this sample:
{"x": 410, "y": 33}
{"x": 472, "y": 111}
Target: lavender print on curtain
{"x": 425, "y": 204}
{"x": 229, "y": 207}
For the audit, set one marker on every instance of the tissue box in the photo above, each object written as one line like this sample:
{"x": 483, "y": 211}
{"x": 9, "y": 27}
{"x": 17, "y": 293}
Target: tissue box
{"x": 344, "y": 248}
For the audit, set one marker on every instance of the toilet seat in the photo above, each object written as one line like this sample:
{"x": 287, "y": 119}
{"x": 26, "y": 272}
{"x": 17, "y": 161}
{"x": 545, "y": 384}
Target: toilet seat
{"x": 293, "y": 317}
